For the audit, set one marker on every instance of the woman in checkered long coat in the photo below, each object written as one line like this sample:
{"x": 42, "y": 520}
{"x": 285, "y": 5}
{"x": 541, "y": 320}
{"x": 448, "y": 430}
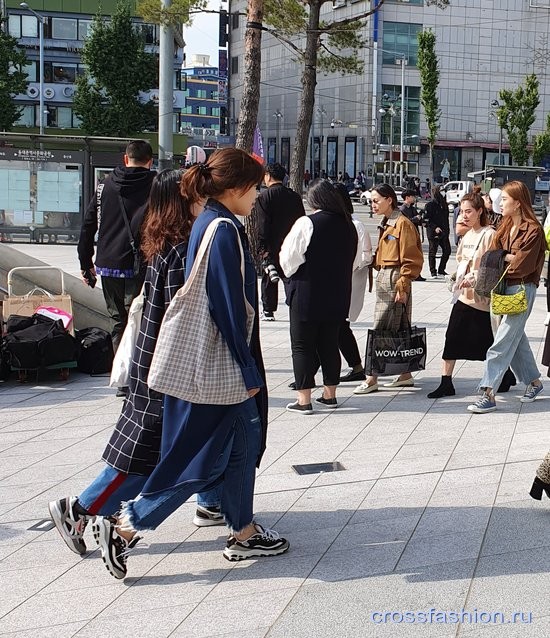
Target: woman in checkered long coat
{"x": 134, "y": 447}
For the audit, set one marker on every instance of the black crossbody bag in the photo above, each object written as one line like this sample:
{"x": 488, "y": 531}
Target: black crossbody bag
{"x": 135, "y": 249}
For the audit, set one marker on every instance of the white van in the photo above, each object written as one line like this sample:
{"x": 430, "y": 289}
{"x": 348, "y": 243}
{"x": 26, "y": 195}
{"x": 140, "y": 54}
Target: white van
{"x": 455, "y": 191}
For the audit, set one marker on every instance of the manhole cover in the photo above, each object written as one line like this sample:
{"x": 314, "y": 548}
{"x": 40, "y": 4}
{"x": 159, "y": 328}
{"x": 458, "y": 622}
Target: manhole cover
{"x": 318, "y": 468}
{"x": 42, "y": 526}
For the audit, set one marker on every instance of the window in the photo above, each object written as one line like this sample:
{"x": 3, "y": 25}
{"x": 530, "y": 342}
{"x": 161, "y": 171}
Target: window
{"x": 349, "y": 156}
{"x": 149, "y": 33}
{"x": 29, "y": 26}
{"x": 400, "y": 39}
{"x": 27, "y": 117}
{"x": 201, "y": 93}
{"x": 234, "y": 65}
{"x": 216, "y": 111}
{"x": 84, "y": 27}
{"x": 187, "y": 109}
{"x": 201, "y": 110}
{"x": 412, "y": 116}
{"x": 234, "y": 20}
{"x": 64, "y": 29}
{"x": 64, "y": 73}
{"x": 14, "y": 26}
{"x": 271, "y": 150}
{"x": 332, "y": 156}
{"x": 31, "y": 71}
{"x": 285, "y": 153}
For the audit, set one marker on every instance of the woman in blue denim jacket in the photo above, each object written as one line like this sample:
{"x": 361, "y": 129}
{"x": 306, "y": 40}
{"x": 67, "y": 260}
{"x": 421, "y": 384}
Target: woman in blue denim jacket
{"x": 521, "y": 234}
{"x": 203, "y": 445}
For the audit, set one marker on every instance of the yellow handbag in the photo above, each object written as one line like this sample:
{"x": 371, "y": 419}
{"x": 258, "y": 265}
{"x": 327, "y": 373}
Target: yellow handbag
{"x": 508, "y": 304}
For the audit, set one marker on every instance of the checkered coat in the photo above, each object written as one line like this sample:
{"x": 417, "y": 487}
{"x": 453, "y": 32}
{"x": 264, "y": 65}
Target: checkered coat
{"x": 134, "y": 446}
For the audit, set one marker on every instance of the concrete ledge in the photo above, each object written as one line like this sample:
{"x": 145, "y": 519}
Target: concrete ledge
{"x": 88, "y": 304}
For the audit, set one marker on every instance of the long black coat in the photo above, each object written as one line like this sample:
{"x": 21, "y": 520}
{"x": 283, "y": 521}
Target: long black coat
{"x": 134, "y": 446}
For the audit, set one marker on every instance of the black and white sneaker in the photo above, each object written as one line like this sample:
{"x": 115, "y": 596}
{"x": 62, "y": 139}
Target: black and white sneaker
{"x": 208, "y": 516}
{"x": 328, "y": 403}
{"x": 265, "y": 542}
{"x": 69, "y": 524}
{"x": 114, "y": 548}
{"x": 267, "y": 316}
{"x": 301, "y": 409}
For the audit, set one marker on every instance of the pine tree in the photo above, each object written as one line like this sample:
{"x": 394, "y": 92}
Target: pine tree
{"x": 117, "y": 69}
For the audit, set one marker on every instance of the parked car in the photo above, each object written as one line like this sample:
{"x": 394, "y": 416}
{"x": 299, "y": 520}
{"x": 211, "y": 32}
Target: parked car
{"x": 364, "y": 198}
{"x": 455, "y": 191}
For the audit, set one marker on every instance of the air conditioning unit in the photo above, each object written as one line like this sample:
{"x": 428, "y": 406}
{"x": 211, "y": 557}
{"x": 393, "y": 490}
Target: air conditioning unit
{"x": 49, "y": 93}
{"x": 68, "y": 91}
{"x": 32, "y": 91}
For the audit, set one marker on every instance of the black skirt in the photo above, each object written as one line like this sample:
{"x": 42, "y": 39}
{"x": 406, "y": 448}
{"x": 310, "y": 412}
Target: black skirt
{"x": 469, "y": 334}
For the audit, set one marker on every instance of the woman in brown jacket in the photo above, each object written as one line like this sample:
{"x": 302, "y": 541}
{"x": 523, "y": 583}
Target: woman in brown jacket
{"x": 521, "y": 235}
{"x": 399, "y": 261}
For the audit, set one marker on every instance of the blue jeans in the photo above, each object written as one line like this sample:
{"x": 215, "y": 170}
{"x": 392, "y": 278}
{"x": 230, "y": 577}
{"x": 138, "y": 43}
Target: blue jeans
{"x": 110, "y": 488}
{"x": 511, "y": 346}
{"x": 236, "y": 466}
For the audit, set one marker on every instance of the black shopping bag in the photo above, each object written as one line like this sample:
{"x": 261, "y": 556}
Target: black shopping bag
{"x": 393, "y": 353}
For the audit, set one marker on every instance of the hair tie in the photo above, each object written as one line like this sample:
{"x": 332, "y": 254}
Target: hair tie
{"x": 204, "y": 168}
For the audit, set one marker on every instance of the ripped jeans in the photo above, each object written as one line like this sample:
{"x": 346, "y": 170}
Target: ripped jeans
{"x": 236, "y": 466}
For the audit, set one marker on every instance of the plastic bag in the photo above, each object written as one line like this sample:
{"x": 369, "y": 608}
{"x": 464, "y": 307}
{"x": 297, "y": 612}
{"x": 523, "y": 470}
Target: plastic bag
{"x": 120, "y": 372}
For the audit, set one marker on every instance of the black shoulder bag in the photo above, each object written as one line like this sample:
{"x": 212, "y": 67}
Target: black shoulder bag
{"x": 135, "y": 249}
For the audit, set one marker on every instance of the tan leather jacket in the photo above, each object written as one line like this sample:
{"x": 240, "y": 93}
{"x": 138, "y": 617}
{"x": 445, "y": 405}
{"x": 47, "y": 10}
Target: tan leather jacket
{"x": 399, "y": 246}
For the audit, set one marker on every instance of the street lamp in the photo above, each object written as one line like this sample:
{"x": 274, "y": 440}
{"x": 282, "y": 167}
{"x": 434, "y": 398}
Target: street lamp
{"x": 279, "y": 116}
{"x": 41, "y": 20}
{"x": 392, "y": 112}
{"x": 495, "y": 104}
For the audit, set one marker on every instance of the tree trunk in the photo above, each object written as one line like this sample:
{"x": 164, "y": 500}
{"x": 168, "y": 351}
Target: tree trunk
{"x": 307, "y": 103}
{"x": 250, "y": 99}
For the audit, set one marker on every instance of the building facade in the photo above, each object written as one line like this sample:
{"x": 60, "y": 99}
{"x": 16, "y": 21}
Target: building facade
{"x": 66, "y": 25}
{"x": 482, "y": 48}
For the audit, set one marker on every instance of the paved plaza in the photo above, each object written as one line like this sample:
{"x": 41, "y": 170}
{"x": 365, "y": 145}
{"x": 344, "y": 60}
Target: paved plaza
{"x": 431, "y": 513}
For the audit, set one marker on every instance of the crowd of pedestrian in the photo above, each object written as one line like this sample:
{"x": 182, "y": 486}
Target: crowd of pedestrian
{"x": 190, "y": 427}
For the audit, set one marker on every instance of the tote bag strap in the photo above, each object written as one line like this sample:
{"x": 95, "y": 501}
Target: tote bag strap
{"x": 204, "y": 246}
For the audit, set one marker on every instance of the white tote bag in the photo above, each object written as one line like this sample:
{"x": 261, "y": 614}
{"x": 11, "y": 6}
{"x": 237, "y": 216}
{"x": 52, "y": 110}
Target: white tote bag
{"x": 192, "y": 360}
{"x": 120, "y": 372}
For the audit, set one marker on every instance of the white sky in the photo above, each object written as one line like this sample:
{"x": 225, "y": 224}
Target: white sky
{"x": 202, "y": 36}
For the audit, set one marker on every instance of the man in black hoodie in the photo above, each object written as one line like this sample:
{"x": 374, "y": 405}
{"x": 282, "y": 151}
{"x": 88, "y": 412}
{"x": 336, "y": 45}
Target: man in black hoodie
{"x": 277, "y": 207}
{"x": 124, "y": 192}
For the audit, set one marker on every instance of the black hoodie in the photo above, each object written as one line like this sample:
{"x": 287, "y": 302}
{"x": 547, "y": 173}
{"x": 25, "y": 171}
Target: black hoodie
{"x": 104, "y": 213}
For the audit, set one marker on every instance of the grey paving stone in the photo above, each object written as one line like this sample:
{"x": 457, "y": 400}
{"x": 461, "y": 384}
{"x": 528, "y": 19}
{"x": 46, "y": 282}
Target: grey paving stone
{"x": 430, "y": 550}
{"x": 154, "y": 624}
{"x": 266, "y": 608}
{"x": 67, "y": 629}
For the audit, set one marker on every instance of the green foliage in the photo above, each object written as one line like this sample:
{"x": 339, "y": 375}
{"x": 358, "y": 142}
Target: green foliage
{"x": 117, "y": 69}
{"x": 516, "y": 115}
{"x": 541, "y": 144}
{"x": 13, "y": 79}
{"x": 180, "y": 11}
{"x": 428, "y": 67}
{"x": 287, "y": 17}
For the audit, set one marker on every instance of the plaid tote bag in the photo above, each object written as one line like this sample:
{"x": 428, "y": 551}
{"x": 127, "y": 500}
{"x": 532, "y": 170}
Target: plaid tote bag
{"x": 192, "y": 360}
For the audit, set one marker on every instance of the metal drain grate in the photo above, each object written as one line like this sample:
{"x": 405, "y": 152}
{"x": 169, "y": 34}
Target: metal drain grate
{"x": 318, "y": 468}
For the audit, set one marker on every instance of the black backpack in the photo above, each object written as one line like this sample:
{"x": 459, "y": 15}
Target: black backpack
{"x": 96, "y": 351}
{"x": 39, "y": 342}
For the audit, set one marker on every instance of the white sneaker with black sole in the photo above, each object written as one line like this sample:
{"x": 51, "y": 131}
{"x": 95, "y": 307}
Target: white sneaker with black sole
{"x": 208, "y": 516}
{"x": 114, "y": 548}
{"x": 69, "y": 524}
{"x": 265, "y": 542}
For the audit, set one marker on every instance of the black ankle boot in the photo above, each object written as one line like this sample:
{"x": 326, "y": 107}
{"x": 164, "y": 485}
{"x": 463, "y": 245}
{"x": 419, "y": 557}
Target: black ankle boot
{"x": 508, "y": 380}
{"x": 537, "y": 489}
{"x": 445, "y": 389}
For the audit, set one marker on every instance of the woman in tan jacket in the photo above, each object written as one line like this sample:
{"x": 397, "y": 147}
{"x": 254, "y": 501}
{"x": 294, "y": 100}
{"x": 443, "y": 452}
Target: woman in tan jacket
{"x": 399, "y": 261}
{"x": 469, "y": 333}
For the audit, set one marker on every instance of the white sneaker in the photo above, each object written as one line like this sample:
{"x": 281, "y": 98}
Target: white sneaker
{"x": 547, "y": 320}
